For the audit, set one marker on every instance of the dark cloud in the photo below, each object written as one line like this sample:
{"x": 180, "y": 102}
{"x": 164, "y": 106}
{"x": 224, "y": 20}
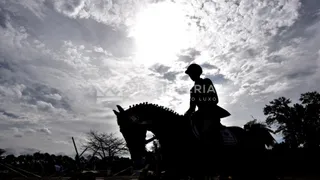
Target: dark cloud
{"x": 182, "y": 90}
{"x": 42, "y": 93}
{"x": 217, "y": 79}
{"x": 276, "y": 59}
{"x": 5, "y": 65}
{"x": 189, "y": 55}
{"x": 114, "y": 40}
{"x": 3, "y": 17}
{"x": 17, "y": 125}
{"x": 308, "y": 15}
{"x": 54, "y": 28}
{"x": 208, "y": 66}
{"x": 18, "y": 135}
{"x": 171, "y": 76}
{"x": 11, "y": 115}
{"x": 184, "y": 77}
{"x": 302, "y": 74}
{"x": 29, "y": 131}
{"x": 17, "y": 132}
{"x": 193, "y": 52}
{"x": 160, "y": 68}
{"x": 68, "y": 7}
{"x": 186, "y": 58}
{"x": 249, "y": 53}
{"x": 164, "y": 72}
{"x": 45, "y": 130}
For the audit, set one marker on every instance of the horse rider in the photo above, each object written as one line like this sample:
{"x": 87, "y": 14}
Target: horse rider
{"x": 204, "y": 96}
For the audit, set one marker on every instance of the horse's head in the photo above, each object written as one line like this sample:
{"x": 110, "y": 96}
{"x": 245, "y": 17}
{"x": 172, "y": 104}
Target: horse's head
{"x": 140, "y": 118}
{"x": 134, "y": 134}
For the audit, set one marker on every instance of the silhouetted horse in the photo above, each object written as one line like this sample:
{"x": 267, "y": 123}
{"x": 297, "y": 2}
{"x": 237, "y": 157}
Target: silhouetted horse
{"x": 183, "y": 152}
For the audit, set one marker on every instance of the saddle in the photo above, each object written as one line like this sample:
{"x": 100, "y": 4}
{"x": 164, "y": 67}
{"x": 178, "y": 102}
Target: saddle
{"x": 226, "y": 137}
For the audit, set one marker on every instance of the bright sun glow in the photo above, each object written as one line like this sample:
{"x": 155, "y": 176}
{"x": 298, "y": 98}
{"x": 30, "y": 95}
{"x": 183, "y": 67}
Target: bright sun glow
{"x": 161, "y": 31}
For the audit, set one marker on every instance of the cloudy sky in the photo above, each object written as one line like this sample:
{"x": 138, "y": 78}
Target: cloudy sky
{"x": 64, "y": 65}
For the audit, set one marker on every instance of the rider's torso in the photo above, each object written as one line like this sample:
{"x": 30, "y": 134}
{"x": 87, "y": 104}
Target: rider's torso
{"x": 204, "y": 94}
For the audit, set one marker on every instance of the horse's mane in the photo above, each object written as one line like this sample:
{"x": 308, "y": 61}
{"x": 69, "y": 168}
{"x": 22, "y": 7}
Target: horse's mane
{"x": 150, "y": 107}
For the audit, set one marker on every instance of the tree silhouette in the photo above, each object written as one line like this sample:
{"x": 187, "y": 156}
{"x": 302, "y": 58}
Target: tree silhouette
{"x": 260, "y": 129}
{"x": 105, "y": 144}
{"x": 2, "y": 151}
{"x": 298, "y": 123}
{"x": 311, "y": 126}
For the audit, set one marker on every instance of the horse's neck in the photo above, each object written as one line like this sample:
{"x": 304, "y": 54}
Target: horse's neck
{"x": 163, "y": 120}
{"x": 158, "y": 116}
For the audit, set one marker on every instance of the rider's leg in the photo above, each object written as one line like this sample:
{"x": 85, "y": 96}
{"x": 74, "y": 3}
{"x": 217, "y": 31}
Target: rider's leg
{"x": 198, "y": 120}
{"x": 211, "y": 134}
{"x": 216, "y": 130}
{"x": 211, "y": 125}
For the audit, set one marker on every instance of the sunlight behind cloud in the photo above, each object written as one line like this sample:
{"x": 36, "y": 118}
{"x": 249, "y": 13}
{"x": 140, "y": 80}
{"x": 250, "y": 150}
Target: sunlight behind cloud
{"x": 161, "y": 31}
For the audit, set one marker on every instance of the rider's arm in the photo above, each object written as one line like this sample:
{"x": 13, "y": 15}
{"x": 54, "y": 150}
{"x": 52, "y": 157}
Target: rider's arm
{"x": 212, "y": 91}
{"x": 193, "y": 104}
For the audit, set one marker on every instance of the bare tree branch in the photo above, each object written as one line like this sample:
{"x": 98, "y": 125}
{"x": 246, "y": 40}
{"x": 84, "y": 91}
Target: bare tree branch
{"x": 106, "y": 144}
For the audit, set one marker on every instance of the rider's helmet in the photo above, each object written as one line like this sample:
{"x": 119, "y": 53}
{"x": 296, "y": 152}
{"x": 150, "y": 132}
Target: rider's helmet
{"x": 194, "y": 69}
